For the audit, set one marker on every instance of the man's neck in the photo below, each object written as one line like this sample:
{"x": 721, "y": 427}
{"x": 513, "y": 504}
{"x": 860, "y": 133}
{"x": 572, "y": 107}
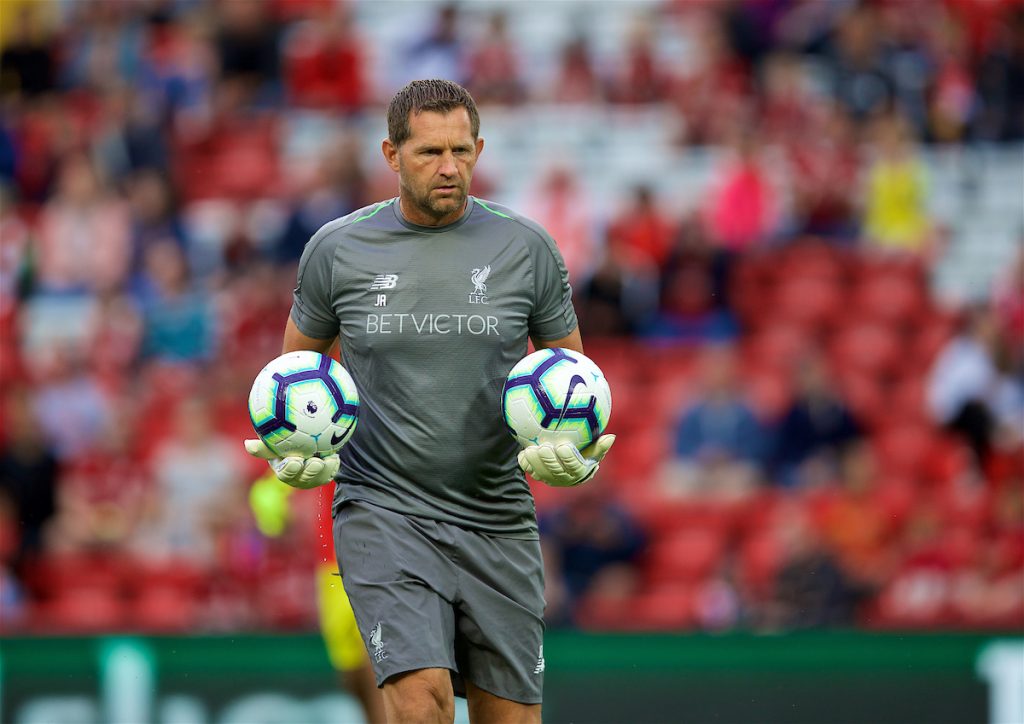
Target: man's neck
{"x": 415, "y": 216}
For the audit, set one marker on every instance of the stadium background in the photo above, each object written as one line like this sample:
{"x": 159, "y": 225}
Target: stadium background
{"x": 794, "y": 230}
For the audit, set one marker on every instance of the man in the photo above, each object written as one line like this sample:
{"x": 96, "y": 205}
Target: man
{"x": 434, "y": 526}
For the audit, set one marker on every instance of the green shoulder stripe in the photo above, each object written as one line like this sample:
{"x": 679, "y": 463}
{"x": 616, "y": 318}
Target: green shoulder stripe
{"x": 488, "y": 208}
{"x": 379, "y": 206}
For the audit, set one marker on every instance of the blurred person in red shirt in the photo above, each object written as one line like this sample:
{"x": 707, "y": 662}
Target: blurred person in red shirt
{"x": 824, "y": 171}
{"x": 561, "y": 206}
{"x": 576, "y": 79}
{"x": 643, "y": 231}
{"x": 1008, "y": 305}
{"x": 492, "y": 68}
{"x": 104, "y": 493}
{"x": 712, "y": 84}
{"x": 324, "y": 62}
{"x": 639, "y": 76}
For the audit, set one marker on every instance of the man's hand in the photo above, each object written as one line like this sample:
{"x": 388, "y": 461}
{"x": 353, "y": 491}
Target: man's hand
{"x": 295, "y": 471}
{"x": 565, "y": 466}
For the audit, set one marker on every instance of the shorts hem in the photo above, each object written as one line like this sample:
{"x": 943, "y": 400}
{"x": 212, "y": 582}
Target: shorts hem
{"x": 518, "y": 697}
{"x": 405, "y": 669}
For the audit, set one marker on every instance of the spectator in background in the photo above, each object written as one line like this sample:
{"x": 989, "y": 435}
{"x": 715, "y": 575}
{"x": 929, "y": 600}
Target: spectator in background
{"x": 178, "y": 318}
{"x": 952, "y": 102}
{"x": 104, "y": 44}
{"x": 576, "y": 80}
{"x": 639, "y": 78}
{"x": 588, "y": 538}
{"x": 26, "y": 64}
{"x": 720, "y": 445}
{"x": 642, "y": 230}
{"x": 855, "y": 524}
{"x": 714, "y": 83}
{"x": 84, "y": 233}
{"x": 104, "y": 493}
{"x": 742, "y": 209}
{"x": 247, "y": 47}
{"x": 620, "y": 297}
{"x": 129, "y": 138}
{"x": 440, "y": 53}
{"x": 201, "y": 483}
{"x": 860, "y": 80}
{"x": 28, "y": 476}
{"x": 336, "y": 187}
{"x": 814, "y": 433}
{"x": 561, "y": 206}
{"x": 69, "y": 404}
{"x": 969, "y": 394}
{"x": 824, "y": 166}
{"x": 154, "y": 213}
{"x": 1008, "y": 306}
{"x": 694, "y": 302}
{"x": 811, "y": 590}
{"x": 492, "y": 71}
{"x": 1000, "y": 78}
{"x": 896, "y": 194}
{"x": 324, "y": 62}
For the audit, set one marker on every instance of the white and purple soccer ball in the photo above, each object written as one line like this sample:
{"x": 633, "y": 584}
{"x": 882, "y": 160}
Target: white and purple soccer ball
{"x": 304, "y": 404}
{"x": 556, "y": 396}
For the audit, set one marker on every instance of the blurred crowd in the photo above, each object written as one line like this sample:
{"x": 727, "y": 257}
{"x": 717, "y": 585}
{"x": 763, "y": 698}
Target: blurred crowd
{"x": 805, "y": 430}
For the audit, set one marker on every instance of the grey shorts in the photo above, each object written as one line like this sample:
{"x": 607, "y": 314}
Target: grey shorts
{"x": 428, "y": 594}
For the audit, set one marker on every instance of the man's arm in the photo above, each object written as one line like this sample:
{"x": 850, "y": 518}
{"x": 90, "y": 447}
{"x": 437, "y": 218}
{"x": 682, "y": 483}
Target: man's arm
{"x": 296, "y": 341}
{"x": 295, "y": 471}
{"x": 565, "y": 465}
{"x": 572, "y": 341}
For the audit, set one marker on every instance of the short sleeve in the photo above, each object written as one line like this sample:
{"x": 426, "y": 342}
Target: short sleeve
{"x": 312, "y": 300}
{"x": 553, "y": 315}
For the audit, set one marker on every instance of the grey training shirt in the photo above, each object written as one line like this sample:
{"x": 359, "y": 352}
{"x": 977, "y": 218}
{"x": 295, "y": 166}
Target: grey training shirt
{"x": 431, "y": 320}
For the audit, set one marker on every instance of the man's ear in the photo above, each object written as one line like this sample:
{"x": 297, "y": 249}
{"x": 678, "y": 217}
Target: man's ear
{"x": 390, "y": 152}
{"x": 479, "y": 146}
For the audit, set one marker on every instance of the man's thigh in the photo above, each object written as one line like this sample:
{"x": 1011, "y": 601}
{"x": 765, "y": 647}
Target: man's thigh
{"x": 400, "y": 586}
{"x": 486, "y": 708}
{"x": 500, "y": 608}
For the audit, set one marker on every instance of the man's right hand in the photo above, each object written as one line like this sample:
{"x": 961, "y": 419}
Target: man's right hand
{"x": 303, "y": 473}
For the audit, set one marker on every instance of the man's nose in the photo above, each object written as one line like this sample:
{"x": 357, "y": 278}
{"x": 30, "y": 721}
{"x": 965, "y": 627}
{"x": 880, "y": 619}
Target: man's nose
{"x": 448, "y": 167}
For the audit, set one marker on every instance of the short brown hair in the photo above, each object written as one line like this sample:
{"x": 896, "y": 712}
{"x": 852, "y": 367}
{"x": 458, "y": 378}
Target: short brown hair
{"x": 442, "y": 96}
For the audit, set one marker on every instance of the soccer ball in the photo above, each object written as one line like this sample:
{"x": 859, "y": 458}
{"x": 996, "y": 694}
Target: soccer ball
{"x": 556, "y": 396}
{"x": 304, "y": 404}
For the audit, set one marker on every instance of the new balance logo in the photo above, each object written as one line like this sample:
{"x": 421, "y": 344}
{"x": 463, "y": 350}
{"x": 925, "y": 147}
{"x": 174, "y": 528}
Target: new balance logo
{"x": 384, "y": 281}
{"x": 539, "y": 668}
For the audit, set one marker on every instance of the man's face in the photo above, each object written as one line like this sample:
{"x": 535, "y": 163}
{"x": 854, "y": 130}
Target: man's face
{"x": 435, "y": 165}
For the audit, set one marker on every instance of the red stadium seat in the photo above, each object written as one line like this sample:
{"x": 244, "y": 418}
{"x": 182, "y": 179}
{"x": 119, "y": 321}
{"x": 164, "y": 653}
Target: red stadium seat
{"x": 688, "y": 555}
{"x": 163, "y": 609}
{"x": 889, "y": 298}
{"x": 869, "y": 348}
{"x": 810, "y": 301}
{"x": 664, "y": 608}
{"x": 904, "y": 450}
{"x": 85, "y": 611}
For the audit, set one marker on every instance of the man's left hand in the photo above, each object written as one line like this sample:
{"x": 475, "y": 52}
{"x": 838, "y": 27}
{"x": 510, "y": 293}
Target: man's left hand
{"x": 564, "y": 466}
